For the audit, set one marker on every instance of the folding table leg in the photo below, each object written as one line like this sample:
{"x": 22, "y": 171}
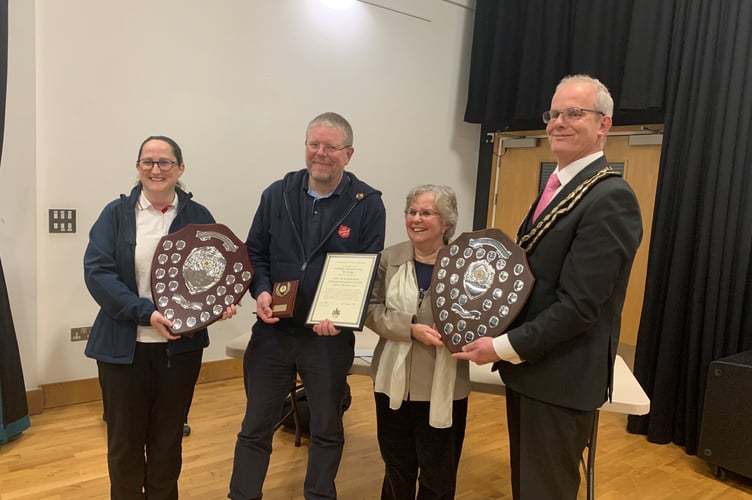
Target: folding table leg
{"x": 590, "y": 467}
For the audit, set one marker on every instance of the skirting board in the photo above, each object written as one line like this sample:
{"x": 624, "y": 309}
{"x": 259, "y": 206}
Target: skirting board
{"x": 85, "y": 390}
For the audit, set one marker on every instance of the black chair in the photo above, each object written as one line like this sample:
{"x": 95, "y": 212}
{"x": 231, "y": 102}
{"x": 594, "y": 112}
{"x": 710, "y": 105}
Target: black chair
{"x": 292, "y": 411}
{"x": 296, "y": 414}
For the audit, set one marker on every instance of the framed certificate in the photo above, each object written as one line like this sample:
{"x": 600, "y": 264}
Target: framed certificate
{"x": 344, "y": 289}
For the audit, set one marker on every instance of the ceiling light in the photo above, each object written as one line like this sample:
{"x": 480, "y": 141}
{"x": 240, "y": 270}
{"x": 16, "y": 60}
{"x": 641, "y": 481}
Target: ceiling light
{"x": 338, "y": 4}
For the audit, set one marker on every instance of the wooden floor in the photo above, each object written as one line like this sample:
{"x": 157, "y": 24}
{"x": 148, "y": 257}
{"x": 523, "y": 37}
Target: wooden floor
{"x": 62, "y": 455}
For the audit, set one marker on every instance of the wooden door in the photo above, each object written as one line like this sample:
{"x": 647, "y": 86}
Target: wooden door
{"x": 515, "y": 183}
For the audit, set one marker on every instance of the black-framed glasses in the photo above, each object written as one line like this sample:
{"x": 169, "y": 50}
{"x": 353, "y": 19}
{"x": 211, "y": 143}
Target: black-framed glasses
{"x": 314, "y": 147}
{"x": 568, "y": 114}
{"x": 164, "y": 164}
{"x": 424, "y": 214}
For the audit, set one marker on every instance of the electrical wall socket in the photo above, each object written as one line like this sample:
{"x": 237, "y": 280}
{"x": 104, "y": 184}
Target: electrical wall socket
{"x": 80, "y": 333}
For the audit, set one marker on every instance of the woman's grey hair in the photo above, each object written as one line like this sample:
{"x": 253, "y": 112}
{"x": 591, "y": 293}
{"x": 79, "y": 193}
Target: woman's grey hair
{"x": 446, "y": 204}
{"x": 333, "y": 120}
{"x": 603, "y": 100}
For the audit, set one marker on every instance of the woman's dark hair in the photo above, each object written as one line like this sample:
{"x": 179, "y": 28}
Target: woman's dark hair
{"x": 174, "y": 145}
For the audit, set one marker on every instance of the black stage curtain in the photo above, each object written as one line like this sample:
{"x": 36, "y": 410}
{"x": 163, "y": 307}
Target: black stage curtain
{"x": 689, "y": 65}
{"x": 522, "y": 49}
{"x": 699, "y": 282}
{"x": 14, "y": 417}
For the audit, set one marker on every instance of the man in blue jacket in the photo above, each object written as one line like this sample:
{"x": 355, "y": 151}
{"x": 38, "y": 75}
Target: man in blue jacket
{"x": 300, "y": 219}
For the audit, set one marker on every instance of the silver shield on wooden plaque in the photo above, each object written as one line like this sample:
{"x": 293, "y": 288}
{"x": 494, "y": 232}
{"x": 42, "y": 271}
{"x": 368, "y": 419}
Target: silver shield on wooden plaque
{"x": 197, "y": 273}
{"x": 480, "y": 283}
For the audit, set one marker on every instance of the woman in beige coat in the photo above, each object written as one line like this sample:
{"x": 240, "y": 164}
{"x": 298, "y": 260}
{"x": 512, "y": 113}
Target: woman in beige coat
{"x": 420, "y": 390}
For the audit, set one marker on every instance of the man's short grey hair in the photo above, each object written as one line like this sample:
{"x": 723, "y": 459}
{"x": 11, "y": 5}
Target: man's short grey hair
{"x": 603, "y": 100}
{"x": 446, "y": 204}
{"x": 330, "y": 119}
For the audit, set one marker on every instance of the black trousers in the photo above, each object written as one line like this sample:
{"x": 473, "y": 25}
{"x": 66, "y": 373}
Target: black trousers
{"x": 272, "y": 358}
{"x": 145, "y": 405}
{"x": 545, "y": 446}
{"x": 414, "y": 451}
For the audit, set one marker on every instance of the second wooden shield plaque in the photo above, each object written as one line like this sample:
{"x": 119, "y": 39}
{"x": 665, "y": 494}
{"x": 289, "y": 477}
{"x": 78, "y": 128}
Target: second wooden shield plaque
{"x": 197, "y": 273}
{"x": 480, "y": 283}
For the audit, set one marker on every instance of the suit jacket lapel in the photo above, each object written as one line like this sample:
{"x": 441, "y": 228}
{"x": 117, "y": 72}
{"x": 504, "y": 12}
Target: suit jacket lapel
{"x": 587, "y": 172}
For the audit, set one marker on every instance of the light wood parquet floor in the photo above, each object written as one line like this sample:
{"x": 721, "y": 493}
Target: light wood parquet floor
{"x": 62, "y": 456}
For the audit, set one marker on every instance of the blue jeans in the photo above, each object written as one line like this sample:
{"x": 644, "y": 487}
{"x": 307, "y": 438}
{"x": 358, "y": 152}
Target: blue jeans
{"x": 273, "y": 357}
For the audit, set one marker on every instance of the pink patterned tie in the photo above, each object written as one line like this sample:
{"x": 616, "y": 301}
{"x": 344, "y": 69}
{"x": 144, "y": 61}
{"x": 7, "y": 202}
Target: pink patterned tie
{"x": 551, "y": 186}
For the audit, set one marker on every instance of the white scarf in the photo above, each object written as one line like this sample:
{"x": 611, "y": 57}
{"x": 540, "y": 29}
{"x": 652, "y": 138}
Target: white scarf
{"x": 390, "y": 378}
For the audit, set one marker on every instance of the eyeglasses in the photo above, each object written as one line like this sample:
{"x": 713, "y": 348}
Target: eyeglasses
{"x": 314, "y": 147}
{"x": 568, "y": 114}
{"x": 164, "y": 164}
{"x": 424, "y": 214}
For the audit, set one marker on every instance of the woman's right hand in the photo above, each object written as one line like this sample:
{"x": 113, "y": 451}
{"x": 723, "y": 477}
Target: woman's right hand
{"x": 426, "y": 334}
{"x": 161, "y": 324}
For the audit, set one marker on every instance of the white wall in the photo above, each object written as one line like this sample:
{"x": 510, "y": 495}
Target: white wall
{"x": 235, "y": 83}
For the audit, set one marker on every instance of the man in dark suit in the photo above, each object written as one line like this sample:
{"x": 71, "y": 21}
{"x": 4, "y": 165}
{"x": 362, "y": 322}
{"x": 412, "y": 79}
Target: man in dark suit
{"x": 557, "y": 358}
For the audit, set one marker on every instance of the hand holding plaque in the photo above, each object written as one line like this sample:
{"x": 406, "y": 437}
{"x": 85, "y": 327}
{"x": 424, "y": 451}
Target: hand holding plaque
{"x": 480, "y": 283}
{"x": 197, "y": 273}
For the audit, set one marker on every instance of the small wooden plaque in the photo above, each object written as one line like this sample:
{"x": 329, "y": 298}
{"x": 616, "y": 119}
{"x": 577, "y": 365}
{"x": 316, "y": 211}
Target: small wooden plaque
{"x": 283, "y": 298}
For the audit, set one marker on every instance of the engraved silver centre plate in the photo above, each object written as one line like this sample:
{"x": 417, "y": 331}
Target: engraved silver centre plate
{"x": 203, "y": 269}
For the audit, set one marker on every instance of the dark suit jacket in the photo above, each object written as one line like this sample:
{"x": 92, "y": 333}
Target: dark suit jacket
{"x": 568, "y": 331}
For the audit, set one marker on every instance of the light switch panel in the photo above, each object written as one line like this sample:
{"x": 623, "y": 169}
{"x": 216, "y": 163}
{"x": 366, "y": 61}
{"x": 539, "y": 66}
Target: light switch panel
{"x": 62, "y": 220}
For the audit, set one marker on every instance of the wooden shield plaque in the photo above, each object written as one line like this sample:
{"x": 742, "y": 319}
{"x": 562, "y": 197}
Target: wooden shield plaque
{"x": 197, "y": 273}
{"x": 480, "y": 283}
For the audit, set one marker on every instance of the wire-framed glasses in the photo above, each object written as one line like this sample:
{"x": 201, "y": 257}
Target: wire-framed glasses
{"x": 424, "y": 214}
{"x": 314, "y": 147}
{"x": 568, "y": 114}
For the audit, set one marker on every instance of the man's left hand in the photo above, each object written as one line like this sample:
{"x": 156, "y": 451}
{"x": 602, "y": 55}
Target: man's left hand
{"x": 480, "y": 352}
{"x": 326, "y": 328}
